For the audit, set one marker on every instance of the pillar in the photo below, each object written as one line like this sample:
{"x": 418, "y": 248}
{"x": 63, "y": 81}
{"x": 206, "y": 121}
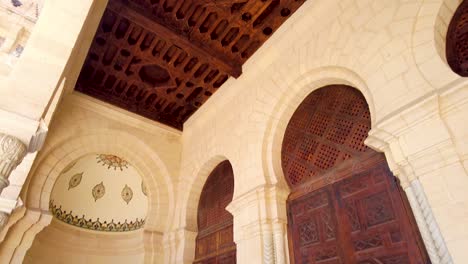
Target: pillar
{"x": 260, "y": 222}
{"x": 12, "y": 152}
{"x": 422, "y": 152}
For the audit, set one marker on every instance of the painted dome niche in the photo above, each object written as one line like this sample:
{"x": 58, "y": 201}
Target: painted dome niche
{"x": 100, "y": 192}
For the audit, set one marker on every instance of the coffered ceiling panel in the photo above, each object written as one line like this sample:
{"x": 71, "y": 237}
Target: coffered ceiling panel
{"x": 163, "y": 59}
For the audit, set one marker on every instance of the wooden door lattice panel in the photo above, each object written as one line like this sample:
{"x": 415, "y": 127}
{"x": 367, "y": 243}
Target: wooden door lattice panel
{"x": 374, "y": 226}
{"x": 345, "y": 205}
{"x": 457, "y": 41}
{"x": 215, "y": 241}
{"x": 329, "y": 127}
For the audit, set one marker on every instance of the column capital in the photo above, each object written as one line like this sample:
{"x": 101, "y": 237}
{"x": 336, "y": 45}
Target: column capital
{"x": 12, "y": 152}
{"x": 416, "y": 140}
{"x": 261, "y": 193}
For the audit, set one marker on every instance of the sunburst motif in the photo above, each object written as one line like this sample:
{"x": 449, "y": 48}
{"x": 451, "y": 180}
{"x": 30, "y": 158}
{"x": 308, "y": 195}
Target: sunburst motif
{"x": 112, "y": 161}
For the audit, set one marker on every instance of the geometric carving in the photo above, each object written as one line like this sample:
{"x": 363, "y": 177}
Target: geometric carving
{"x": 353, "y": 217}
{"x": 308, "y": 232}
{"x": 353, "y": 185}
{"x": 335, "y": 178}
{"x": 12, "y": 152}
{"x": 368, "y": 243}
{"x": 328, "y": 225}
{"x": 185, "y": 49}
{"x": 457, "y": 41}
{"x": 378, "y": 208}
{"x": 328, "y": 127}
{"x": 326, "y": 254}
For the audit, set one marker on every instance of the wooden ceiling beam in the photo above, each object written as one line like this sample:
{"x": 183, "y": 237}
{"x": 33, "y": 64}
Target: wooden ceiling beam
{"x": 152, "y": 24}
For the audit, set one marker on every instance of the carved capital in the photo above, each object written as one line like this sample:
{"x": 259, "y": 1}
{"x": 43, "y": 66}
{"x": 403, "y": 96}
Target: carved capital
{"x": 12, "y": 152}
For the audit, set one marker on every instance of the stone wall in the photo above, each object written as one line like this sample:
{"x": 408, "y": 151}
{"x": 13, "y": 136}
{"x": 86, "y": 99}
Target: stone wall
{"x": 392, "y": 51}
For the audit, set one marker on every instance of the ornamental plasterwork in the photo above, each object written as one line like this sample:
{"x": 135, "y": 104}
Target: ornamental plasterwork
{"x": 99, "y": 191}
{"x": 144, "y": 189}
{"x": 97, "y": 225}
{"x": 127, "y": 194}
{"x": 112, "y": 161}
{"x": 75, "y": 180}
{"x": 12, "y": 152}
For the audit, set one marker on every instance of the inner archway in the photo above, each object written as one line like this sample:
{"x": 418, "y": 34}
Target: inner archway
{"x": 99, "y": 206}
{"x": 215, "y": 241}
{"x": 345, "y": 205}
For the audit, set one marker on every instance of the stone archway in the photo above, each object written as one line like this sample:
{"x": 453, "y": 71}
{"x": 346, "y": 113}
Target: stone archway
{"x": 49, "y": 167}
{"x": 215, "y": 240}
{"x": 345, "y": 204}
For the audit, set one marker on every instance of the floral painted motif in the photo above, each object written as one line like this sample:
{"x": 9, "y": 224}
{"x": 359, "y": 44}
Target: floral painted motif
{"x": 97, "y": 224}
{"x": 127, "y": 194}
{"x": 112, "y": 161}
{"x": 75, "y": 180}
{"x": 99, "y": 191}
{"x": 144, "y": 189}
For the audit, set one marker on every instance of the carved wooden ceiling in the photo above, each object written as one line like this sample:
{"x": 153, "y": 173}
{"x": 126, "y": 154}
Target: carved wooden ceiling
{"x": 163, "y": 59}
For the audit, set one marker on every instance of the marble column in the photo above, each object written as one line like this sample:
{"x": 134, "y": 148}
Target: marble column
{"x": 12, "y": 152}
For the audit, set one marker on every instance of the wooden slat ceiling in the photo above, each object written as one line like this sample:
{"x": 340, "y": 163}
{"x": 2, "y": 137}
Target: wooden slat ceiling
{"x": 163, "y": 59}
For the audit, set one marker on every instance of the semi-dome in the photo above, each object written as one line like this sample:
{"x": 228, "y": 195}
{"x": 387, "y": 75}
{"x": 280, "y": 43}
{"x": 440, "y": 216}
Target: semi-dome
{"x": 100, "y": 192}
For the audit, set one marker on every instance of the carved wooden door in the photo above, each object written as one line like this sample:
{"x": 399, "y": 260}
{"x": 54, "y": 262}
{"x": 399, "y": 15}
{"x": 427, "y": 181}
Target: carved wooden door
{"x": 359, "y": 219}
{"x": 345, "y": 205}
{"x": 215, "y": 242}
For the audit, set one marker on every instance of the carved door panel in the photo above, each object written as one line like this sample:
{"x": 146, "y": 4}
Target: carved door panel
{"x": 360, "y": 219}
{"x": 215, "y": 241}
{"x": 313, "y": 225}
{"x": 375, "y": 220}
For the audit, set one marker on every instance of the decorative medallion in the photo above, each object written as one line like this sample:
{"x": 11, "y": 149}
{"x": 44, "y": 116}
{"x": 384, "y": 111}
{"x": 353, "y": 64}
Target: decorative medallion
{"x": 127, "y": 194}
{"x": 97, "y": 225}
{"x": 75, "y": 180}
{"x": 112, "y": 161}
{"x": 144, "y": 189}
{"x": 99, "y": 191}
{"x": 68, "y": 167}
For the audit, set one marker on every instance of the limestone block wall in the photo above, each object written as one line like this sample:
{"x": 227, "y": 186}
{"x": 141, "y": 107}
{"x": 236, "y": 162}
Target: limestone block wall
{"x": 392, "y": 52}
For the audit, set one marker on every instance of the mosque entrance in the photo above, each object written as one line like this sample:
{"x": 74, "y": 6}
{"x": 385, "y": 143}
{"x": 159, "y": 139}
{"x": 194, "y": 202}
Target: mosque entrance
{"x": 345, "y": 205}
